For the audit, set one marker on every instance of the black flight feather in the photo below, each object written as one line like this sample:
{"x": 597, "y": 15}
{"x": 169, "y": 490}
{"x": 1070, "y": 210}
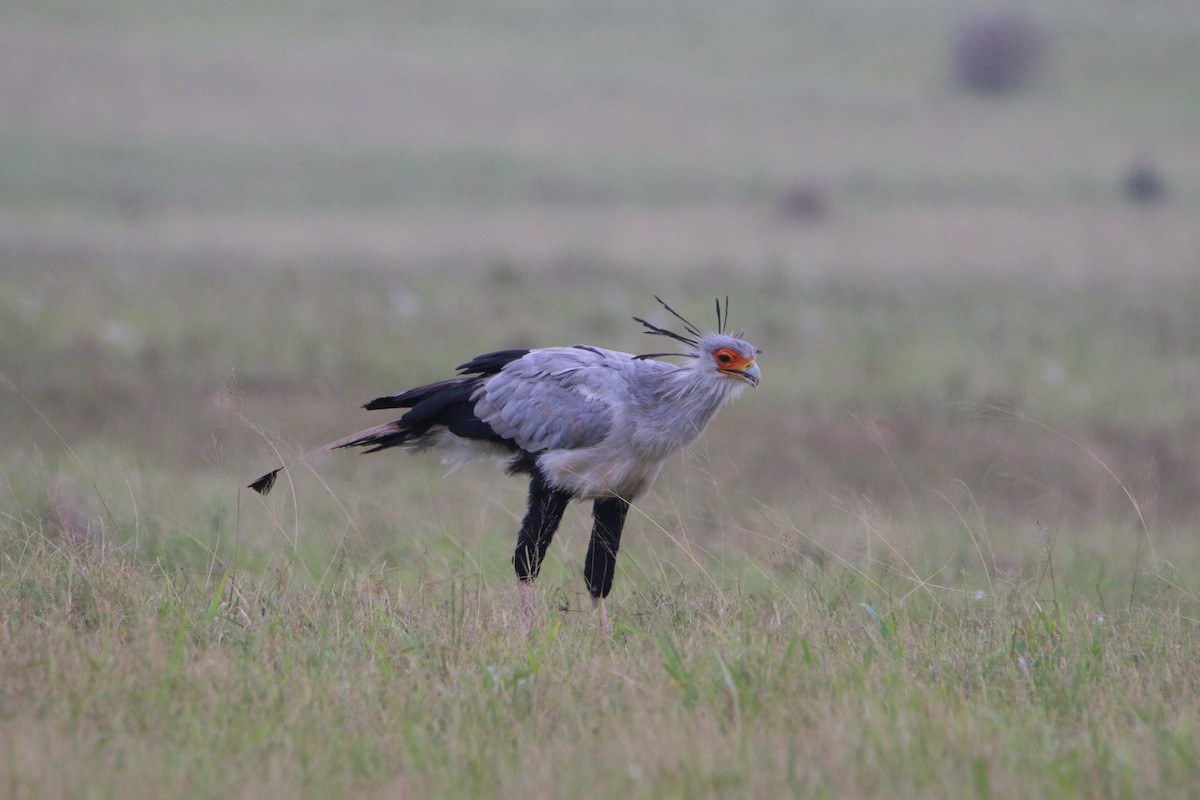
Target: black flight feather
{"x": 491, "y": 363}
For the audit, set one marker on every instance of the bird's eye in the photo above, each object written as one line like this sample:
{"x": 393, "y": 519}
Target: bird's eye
{"x": 725, "y": 357}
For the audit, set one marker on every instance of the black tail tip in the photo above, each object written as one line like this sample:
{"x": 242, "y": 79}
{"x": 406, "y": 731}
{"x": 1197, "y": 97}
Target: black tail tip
{"x": 264, "y": 484}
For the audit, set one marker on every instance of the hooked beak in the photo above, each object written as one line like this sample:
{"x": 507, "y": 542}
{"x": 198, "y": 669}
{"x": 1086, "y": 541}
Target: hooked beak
{"x": 750, "y": 374}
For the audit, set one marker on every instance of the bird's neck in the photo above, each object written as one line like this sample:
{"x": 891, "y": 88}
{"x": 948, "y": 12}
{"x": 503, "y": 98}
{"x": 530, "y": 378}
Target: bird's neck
{"x": 684, "y": 405}
{"x": 702, "y": 391}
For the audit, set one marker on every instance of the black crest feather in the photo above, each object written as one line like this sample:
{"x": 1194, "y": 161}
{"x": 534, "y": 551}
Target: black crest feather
{"x": 722, "y": 322}
{"x": 694, "y": 334}
{"x": 655, "y": 330}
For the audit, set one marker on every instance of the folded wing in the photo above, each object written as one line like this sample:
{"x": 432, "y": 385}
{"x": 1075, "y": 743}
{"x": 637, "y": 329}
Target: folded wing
{"x": 562, "y": 398}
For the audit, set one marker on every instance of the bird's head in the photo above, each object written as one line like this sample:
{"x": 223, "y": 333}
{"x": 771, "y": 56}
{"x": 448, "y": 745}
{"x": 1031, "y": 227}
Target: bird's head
{"x": 717, "y": 353}
{"x": 729, "y": 357}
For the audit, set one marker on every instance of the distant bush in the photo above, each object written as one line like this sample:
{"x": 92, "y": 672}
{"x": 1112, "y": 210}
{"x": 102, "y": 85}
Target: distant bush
{"x": 804, "y": 201}
{"x": 1143, "y": 183}
{"x": 996, "y": 53}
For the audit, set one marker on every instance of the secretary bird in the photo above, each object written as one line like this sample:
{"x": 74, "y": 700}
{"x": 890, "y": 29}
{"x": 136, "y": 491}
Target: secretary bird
{"x": 583, "y": 422}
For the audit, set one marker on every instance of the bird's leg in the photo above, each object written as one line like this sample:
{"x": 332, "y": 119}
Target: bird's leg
{"x": 598, "y": 605}
{"x": 526, "y": 589}
{"x": 609, "y": 519}
{"x": 546, "y": 507}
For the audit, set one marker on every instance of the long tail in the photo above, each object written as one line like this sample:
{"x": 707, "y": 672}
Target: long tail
{"x": 388, "y": 430}
{"x": 442, "y": 406}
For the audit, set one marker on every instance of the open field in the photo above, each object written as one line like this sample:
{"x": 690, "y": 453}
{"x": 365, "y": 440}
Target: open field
{"x": 948, "y": 549}
{"x": 137, "y": 681}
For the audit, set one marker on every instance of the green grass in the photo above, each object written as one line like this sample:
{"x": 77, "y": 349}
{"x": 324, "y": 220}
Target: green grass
{"x": 878, "y": 575}
{"x": 126, "y": 678}
{"x": 946, "y": 550}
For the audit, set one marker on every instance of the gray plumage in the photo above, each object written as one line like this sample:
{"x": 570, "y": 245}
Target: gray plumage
{"x": 603, "y": 423}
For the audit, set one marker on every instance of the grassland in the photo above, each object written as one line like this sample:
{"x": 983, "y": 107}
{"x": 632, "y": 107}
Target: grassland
{"x": 948, "y": 549}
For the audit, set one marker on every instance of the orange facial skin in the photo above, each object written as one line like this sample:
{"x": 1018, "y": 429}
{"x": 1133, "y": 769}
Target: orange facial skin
{"x": 732, "y": 363}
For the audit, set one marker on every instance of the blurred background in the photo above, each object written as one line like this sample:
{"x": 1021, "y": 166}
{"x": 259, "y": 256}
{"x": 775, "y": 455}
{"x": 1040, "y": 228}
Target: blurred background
{"x": 965, "y": 235}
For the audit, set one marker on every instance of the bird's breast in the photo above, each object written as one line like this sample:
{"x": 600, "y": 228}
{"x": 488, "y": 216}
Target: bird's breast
{"x": 600, "y": 471}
